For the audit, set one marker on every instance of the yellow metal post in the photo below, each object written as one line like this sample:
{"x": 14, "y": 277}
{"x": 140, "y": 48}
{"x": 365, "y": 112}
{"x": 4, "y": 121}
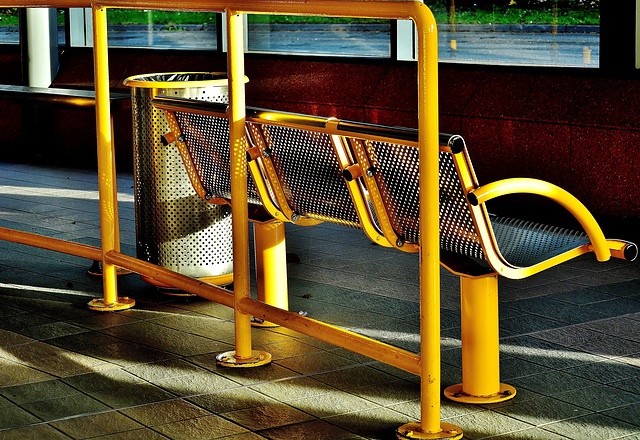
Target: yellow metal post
{"x": 106, "y": 169}
{"x": 480, "y": 344}
{"x": 243, "y": 356}
{"x": 271, "y": 267}
{"x": 430, "y": 426}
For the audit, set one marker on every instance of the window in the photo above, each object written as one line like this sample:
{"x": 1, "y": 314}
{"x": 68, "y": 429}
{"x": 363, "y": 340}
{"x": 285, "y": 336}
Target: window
{"x": 319, "y": 35}
{"x": 532, "y": 32}
{"x": 512, "y": 32}
{"x": 163, "y": 29}
{"x": 9, "y": 26}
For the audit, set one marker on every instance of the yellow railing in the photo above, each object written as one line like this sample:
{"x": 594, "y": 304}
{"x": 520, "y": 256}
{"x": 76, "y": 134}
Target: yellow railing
{"x": 428, "y": 362}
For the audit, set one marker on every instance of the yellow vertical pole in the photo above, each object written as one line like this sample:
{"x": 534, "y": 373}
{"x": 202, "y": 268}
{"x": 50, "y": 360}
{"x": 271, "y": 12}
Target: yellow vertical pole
{"x": 429, "y": 226}
{"x": 480, "y": 344}
{"x": 271, "y": 266}
{"x": 430, "y": 425}
{"x": 106, "y": 168}
{"x": 243, "y": 356}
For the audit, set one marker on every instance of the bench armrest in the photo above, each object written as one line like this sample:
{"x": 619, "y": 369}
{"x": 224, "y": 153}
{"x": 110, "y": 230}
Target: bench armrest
{"x": 553, "y": 192}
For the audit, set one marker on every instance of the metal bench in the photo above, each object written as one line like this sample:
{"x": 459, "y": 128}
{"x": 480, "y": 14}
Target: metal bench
{"x": 308, "y": 169}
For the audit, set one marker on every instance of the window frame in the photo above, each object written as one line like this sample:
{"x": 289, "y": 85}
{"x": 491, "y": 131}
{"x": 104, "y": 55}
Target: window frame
{"x": 619, "y": 39}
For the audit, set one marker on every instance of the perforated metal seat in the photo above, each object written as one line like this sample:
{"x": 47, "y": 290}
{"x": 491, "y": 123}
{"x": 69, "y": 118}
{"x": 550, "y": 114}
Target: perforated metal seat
{"x": 523, "y": 243}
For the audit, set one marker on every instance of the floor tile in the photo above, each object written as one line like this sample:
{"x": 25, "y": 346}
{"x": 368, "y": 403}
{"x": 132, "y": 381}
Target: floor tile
{"x": 136, "y": 434}
{"x": 377, "y": 423}
{"x": 599, "y": 397}
{"x": 628, "y": 414}
{"x": 592, "y": 426}
{"x": 542, "y": 411}
{"x": 607, "y": 371}
{"x": 396, "y": 391}
{"x": 349, "y": 379}
{"x": 315, "y": 362}
{"x": 34, "y": 432}
{"x": 165, "y": 369}
{"x": 314, "y": 430}
{"x": 102, "y": 380}
{"x": 293, "y": 389}
{"x": 333, "y": 404}
{"x": 34, "y": 392}
{"x": 14, "y": 416}
{"x": 487, "y": 424}
{"x": 164, "y": 412}
{"x": 19, "y": 374}
{"x": 201, "y": 428}
{"x": 96, "y": 425}
{"x": 231, "y": 399}
{"x": 552, "y": 383}
{"x": 61, "y": 407}
{"x": 131, "y": 395}
{"x": 267, "y": 416}
{"x": 193, "y": 384}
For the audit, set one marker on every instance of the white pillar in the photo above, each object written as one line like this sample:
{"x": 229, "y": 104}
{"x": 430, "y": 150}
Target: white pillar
{"x": 637, "y": 34}
{"x": 42, "y": 46}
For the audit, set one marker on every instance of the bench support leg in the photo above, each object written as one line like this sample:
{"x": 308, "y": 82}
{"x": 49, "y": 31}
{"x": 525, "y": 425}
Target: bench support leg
{"x": 271, "y": 267}
{"x": 480, "y": 345}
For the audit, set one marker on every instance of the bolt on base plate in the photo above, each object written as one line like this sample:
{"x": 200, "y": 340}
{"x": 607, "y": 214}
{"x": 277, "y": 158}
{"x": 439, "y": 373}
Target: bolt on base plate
{"x": 413, "y": 430}
{"x": 258, "y": 358}
{"x": 455, "y": 393}
{"x": 122, "y": 303}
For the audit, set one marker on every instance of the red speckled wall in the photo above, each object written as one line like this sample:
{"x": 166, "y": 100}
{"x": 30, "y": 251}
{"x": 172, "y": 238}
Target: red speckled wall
{"x": 571, "y": 127}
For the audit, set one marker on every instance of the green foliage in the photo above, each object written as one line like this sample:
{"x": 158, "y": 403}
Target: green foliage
{"x": 131, "y": 16}
{"x": 9, "y": 16}
{"x": 562, "y": 12}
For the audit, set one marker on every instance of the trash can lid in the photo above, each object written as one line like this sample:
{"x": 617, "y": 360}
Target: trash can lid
{"x": 177, "y": 80}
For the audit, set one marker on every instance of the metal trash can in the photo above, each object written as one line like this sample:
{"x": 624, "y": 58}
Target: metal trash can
{"x": 175, "y": 229}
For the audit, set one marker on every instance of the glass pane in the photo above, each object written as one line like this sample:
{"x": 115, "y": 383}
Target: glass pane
{"x": 319, "y": 35}
{"x": 535, "y": 32}
{"x": 162, "y": 29}
{"x": 9, "y": 30}
{"x": 62, "y": 17}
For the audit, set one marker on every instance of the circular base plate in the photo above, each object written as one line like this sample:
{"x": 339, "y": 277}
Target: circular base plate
{"x": 412, "y": 430}
{"x": 122, "y": 303}
{"x": 455, "y": 393}
{"x": 261, "y": 323}
{"x": 258, "y": 358}
{"x": 174, "y": 292}
{"x": 221, "y": 280}
{"x": 96, "y": 270}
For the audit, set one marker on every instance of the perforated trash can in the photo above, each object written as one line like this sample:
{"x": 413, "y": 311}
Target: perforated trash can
{"x": 175, "y": 229}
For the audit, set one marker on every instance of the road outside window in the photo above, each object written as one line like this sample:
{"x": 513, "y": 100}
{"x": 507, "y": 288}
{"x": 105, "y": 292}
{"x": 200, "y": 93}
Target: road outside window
{"x": 534, "y": 32}
{"x": 162, "y": 29}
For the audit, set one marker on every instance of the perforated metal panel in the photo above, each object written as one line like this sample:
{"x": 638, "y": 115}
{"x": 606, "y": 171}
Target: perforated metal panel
{"x": 310, "y": 174}
{"x": 524, "y": 243}
{"x": 175, "y": 229}
{"x": 398, "y": 180}
{"x": 207, "y": 139}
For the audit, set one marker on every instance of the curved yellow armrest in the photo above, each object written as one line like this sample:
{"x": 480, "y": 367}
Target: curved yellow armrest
{"x": 553, "y": 192}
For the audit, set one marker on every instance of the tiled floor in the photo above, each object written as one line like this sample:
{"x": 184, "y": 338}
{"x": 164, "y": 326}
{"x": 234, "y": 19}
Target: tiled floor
{"x": 570, "y": 341}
